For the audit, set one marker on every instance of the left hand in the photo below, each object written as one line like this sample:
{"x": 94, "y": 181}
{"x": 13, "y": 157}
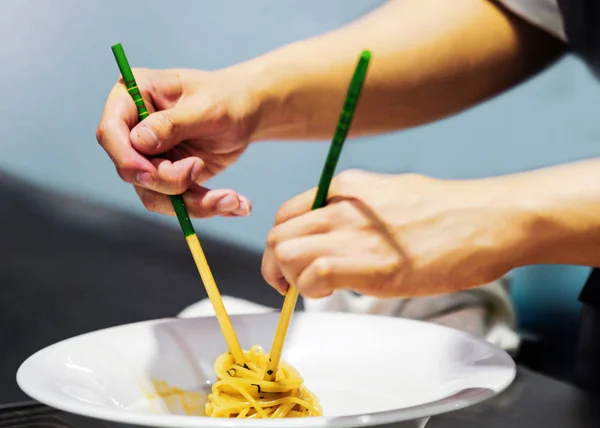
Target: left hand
{"x": 395, "y": 236}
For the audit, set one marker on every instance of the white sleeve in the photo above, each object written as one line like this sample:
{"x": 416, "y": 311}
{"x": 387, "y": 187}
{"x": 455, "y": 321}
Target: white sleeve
{"x": 544, "y": 14}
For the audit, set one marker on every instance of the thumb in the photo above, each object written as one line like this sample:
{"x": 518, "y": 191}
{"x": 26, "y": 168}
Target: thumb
{"x": 163, "y": 130}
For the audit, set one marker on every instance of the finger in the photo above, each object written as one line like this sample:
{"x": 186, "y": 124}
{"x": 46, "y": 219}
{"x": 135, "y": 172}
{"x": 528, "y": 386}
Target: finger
{"x": 340, "y": 215}
{"x": 169, "y": 123}
{"x": 342, "y": 187}
{"x": 271, "y": 272}
{"x": 370, "y": 276}
{"x": 119, "y": 116}
{"x": 163, "y": 130}
{"x": 290, "y": 258}
{"x": 200, "y": 202}
{"x": 221, "y": 202}
{"x": 295, "y": 207}
{"x": 317, "y": 222}
{"x": 311, "y": 223}
{"x": 175, "y": 178}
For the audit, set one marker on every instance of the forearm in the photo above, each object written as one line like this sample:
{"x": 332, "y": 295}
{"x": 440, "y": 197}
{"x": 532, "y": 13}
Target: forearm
{"x": 431, "y": 58}
{"x": 558, "y": 214}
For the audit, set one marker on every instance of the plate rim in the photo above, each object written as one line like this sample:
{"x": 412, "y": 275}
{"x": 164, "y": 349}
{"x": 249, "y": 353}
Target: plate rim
{"x": 417, "y": 412}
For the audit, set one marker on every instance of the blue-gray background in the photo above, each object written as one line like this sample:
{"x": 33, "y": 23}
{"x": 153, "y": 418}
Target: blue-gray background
{"x": 57, "y": 69}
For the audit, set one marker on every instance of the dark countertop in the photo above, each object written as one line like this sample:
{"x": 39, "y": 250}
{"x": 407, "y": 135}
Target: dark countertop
{"x": 532, "y": 401}
{"x": 68, "y": 267}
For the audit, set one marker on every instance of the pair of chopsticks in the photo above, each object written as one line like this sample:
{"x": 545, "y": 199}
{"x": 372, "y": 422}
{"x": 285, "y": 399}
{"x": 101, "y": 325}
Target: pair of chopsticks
{"x": 291, "y": 297}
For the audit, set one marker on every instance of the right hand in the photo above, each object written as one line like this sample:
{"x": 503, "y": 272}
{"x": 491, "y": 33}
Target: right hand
{"x": 200, "y": 123}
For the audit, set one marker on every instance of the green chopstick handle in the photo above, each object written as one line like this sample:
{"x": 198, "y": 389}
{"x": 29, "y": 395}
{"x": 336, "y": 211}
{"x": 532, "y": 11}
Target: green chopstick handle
{"x": 341, "y": 131}
{"x": 182, "y": 215}
{"x": 134, "y": 91}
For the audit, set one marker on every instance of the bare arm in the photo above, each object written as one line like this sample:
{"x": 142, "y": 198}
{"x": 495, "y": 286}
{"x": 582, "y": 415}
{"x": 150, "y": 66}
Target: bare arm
{"x": 431, "y": 58}
{"x": 559, "y": 207}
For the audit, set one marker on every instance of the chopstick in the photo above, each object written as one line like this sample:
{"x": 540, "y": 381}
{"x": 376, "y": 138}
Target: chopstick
{"x": 341, "y": 131}
{"x": 184, "y": 221}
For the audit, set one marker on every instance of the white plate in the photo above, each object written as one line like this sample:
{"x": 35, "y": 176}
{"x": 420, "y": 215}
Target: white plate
{"x": 365, "y": 369}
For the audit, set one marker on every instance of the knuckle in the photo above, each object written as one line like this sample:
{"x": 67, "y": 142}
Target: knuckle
{"x": 321, "y": 277}
{"x": 141, "y": 75}
{"x": 101, "y": 133}
{"x": 125, "y": 169}
{"x": 265, "y": 268}
{"x": 144, "y": 196}
{"x": 220, "y": 115}
{"x": 346, "y": 207}
{"x": 272, "y": 238}
{"x": 342, "y": 210}
{"x": 179, "y": 184}
{"x": 396, "y": 263}
{"x": 123, "y": 176}
{"x": 282, "y": 214}
{"x": 150, "y": 200}
{"x": 379, "y": 285}
{"x": 316, "y": 293}
{"x": 322, "y": 269}
{"x": 284, "y": 253}
{"x": 387, "y": 278}
{"x": 163, "y": 124}
{"x": 350, "y": 176}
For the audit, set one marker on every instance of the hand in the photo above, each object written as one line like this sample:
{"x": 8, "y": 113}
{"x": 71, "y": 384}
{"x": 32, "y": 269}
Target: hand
{"x": 395, "y": 236}
{"x": 200, "y": 123}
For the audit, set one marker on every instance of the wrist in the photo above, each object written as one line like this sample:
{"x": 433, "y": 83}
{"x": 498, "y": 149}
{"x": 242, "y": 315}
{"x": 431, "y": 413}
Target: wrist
{"x": 554, "y": 214}
{"x": 522, "y": 232}
{"x": 505, "y": 222}
{"x": 268, "y": 82}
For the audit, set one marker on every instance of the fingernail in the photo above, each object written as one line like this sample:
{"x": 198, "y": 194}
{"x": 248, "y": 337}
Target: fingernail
{"x": 243, "y": 209}
{"x": 146, "y": 137}
{"x": 227, "y": 204}
{"x": 145, "y": 179}
{"x": 196, "y": 171}
{"x": 283, "y": 286}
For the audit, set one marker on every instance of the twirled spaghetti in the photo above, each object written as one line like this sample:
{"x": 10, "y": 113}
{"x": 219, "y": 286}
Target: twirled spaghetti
{"x": 241, "y": 392}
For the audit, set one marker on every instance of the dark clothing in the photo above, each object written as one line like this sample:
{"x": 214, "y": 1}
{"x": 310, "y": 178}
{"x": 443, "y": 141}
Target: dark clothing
{"x": 581, "y": 21}
{"x": 587, "y": 367}
{"x": 590, "y": 295}
{"x": 582, "y": 25}
{"x": 587, "y": 370}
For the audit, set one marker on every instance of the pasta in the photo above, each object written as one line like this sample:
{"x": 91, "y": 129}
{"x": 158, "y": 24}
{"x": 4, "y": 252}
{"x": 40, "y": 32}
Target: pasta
{"x": 241, "y": 392}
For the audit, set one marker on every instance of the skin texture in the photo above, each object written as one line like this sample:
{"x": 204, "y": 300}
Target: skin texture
{"x": 433, "y": 236}
{"x": 383, "y": 235}
{"x": 431, "y": 58}
{"x": 194, "y": 131}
